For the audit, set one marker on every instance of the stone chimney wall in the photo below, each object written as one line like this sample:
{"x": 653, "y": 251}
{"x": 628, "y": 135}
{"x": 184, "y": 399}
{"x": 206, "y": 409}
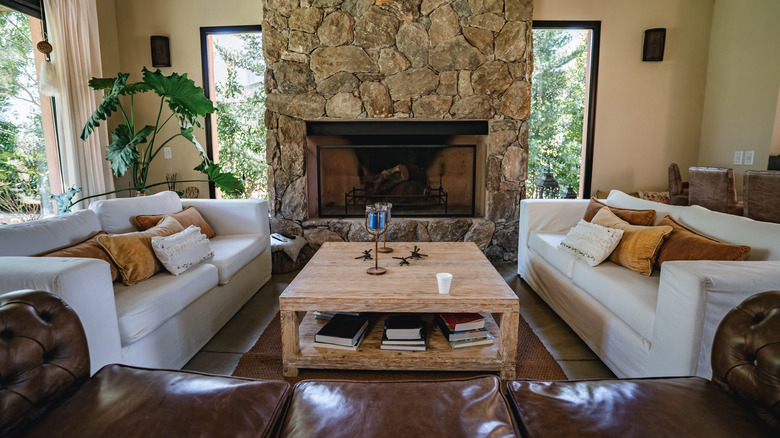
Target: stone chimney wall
{"x": 427, "y": 59}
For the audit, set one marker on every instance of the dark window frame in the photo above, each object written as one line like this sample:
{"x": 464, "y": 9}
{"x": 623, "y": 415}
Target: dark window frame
{"x": 590, "y": 123}
{"x": 205, "y": 32}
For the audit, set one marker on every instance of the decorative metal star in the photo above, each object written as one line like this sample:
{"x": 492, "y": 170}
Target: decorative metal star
{"x": 416, "y": 253}
{"x": 366, "y": 255}
{"x": 403, "y": 261}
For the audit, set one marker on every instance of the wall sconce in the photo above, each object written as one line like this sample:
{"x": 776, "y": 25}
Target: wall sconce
{"x": 653, "y": 49}
{"x": 161, "y": 52}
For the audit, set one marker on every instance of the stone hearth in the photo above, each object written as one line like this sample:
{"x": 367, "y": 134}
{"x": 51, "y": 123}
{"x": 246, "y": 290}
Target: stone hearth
{"x": 422, "y": 59}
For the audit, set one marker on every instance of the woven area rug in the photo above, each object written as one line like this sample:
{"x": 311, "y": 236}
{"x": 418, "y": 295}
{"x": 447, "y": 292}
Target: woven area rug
{"x": 264, "y": 361}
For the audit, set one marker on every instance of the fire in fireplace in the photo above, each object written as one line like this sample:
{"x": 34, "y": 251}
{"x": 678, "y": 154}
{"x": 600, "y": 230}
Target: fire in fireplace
{"x": 420, "y": 180}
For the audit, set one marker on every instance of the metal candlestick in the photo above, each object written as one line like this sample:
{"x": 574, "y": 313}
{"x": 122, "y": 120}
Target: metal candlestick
{"x": 387, "y": 206}
{"x": 376, "y": 225}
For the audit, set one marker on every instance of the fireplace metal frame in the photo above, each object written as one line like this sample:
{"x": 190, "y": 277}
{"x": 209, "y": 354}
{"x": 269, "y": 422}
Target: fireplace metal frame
{"x": 471, "y": 147}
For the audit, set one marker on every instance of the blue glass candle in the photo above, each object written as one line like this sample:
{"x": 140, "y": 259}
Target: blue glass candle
{"x": 373, "y": 220}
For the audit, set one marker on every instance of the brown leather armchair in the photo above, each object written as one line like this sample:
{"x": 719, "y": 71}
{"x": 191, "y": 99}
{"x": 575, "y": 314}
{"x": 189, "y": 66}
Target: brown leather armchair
{"x": 713, "y": 188}
{"x": 761, "y": 195}
{"x": 743, "y": 398}
{"x": 678, "y": 191}
{"x": 46, "y": 390}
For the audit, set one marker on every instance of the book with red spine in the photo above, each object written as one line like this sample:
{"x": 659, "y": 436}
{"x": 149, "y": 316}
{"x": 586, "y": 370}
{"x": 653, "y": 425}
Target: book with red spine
{"x": 463, "y": 321}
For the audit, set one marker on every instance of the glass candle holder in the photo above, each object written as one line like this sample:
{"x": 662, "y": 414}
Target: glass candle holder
{"x": 376, "y": 225}
{"x": 387, "y": 208}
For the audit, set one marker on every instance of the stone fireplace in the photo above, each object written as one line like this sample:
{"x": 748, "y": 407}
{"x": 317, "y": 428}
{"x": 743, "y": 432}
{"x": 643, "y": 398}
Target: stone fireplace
{"x": 455, "y": 62}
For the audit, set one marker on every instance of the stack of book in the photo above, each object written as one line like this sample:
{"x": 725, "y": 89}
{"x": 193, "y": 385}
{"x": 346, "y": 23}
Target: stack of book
{"x": 463, "y": 329}
{"x": 403, "y": 331}
{"x": 344, "y": 332}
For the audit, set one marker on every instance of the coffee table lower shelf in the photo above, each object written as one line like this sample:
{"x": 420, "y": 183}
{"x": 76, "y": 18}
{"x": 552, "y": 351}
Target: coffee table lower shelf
{"x": 439, "y": 356}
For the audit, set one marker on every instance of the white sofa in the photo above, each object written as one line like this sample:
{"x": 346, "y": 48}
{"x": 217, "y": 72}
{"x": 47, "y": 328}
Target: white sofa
{"x": 662, "y": 325}
{"x": 160, "y": 322}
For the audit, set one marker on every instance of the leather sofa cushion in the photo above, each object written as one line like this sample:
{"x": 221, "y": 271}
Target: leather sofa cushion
{"x": 124, "y": 401}
{"x": 454, "y": 408}
{"x": 114, "y": 214}
{"x": 88, "y": 249}
{"x": 141, "y": 308}
{"x": 657, "y": 407}
{"x": 36, "y": 237}
{"x": 639, "y": 246}
{"x": 133, "y": 253}
{"x": 686, "y": 244}
{"x": 188, "y": 216}
{"x": 232, "y": 252}
{"x": 632, "y": 216}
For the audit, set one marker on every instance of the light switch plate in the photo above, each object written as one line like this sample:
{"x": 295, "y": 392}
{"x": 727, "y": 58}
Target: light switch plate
{"x": 167, "y": 152}
{"x": 738, "y": 157}
{"x": 748, "y": 161}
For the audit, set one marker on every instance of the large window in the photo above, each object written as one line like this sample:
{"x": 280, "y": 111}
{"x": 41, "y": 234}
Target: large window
{"x": 563, "y": 104}
{"x": 29, "y": 169}
{"x": 233, "y": 72}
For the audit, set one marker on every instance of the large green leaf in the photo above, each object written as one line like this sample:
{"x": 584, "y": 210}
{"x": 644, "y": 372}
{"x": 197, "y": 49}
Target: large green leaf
{"x": 123, "y": 151}
{"x": 108, "y": 83}
{"x": 183, "y": 97}
{"x": 187, "y": 133}
{"x": 225, "y": 181}
{"x": 108, "y": 106}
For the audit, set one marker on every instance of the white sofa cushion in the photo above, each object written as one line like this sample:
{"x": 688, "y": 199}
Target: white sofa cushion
{"x": 548, "y": 245}
{"x": 232, "y": 252}
{"x": 181, "y": 251}
{"x": 592, "y": 243}
{"x": 763, "y": 238}
{"x": 630, "y": 296}
{"x": 144, "y": 306}
{"x": 114, "y": 214}
{"x": 34, "y": 237}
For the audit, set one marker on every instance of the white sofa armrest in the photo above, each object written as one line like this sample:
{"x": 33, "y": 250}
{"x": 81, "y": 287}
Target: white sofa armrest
{"x": 85, "y": 285}
{"x": 693, "y": 298}
{"x": 549, "y": 215}
{"x": 233, "y": 216}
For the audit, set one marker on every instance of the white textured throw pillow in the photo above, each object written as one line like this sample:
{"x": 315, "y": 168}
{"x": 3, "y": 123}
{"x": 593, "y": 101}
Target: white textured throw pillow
{"x": 592, "y": 243}
{"x": 183, "y": 250}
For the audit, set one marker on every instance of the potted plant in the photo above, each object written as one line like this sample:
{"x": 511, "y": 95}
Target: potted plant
{"x": 133, "y": 148}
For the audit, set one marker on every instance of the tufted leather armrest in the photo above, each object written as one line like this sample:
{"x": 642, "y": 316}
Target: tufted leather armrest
{"x": 43, "y": 356}
{"x": 746, "y": 355}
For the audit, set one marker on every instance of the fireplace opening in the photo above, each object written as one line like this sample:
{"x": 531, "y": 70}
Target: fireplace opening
{"x": 420, "y": 180}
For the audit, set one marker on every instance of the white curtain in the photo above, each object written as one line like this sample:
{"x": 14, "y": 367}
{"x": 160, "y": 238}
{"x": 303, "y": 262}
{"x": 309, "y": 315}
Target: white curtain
{"x": 73, "y": 32}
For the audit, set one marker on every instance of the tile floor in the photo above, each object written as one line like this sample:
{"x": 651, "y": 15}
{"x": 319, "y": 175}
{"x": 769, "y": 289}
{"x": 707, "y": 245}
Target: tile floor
{"x": 221, "y": 354}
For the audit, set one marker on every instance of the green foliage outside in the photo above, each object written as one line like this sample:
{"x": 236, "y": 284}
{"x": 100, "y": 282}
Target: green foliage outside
{"x": 240, "y": 117}
{"x": 23, "y": 166}
{"x": 558, "y": 96}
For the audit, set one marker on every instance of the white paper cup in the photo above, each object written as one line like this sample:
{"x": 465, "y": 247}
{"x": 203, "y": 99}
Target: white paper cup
{"x": 444, "y": 280}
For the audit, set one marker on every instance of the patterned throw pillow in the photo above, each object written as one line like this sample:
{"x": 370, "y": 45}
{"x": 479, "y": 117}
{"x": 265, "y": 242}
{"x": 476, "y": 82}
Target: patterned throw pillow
{"x": 662, "y": 197}
{"x": 181, "y": 251}
{"x": 592, "y": 243}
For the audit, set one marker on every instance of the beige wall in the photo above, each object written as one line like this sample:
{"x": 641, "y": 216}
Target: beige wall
{"x": 128, "y": 50}
{"x": 648, "y": 114}
{"x": 741, "y": 100}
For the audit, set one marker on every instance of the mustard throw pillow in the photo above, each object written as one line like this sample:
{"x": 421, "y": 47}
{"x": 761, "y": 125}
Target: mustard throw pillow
{"x": 188, "y": 216}
{"x": 89, "y": 249}
{"x": 639, "y": 246}
{"x": 133, "y": 253}
{"x": 686, "y": 244}
{"x": 630, "y": 215}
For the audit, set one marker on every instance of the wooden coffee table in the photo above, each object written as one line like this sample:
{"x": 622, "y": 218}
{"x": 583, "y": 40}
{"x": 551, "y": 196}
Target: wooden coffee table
{"x": 334, "y": 280}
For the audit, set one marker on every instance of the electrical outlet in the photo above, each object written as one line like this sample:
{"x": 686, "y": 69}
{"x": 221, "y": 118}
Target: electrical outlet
{"x": 167, "y": 152}
{"x": 748, "y": 161}
{"x": 738, "y": 157}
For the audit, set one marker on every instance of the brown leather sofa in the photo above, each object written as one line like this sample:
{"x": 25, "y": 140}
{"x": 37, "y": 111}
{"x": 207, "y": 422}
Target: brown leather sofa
{"x": 45, "y": 390}
{"x": 742, "y": 400}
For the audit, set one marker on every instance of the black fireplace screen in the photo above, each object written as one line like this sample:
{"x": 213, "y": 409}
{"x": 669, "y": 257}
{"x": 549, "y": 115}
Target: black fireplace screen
{"x": 420, "y": 180}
